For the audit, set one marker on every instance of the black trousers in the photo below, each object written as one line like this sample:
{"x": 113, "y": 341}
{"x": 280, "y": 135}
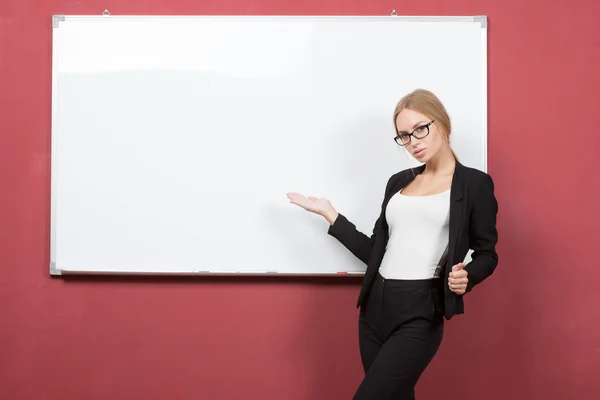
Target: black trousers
{"x": 400, "y": 330}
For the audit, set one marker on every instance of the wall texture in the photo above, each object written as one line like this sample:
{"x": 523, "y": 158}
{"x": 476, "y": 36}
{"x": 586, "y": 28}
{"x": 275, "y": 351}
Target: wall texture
{"x": 531, "y": 331}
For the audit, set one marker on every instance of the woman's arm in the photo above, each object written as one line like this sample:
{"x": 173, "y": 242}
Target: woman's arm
{"x": 354, "y": 240}
{"x": 482, "y": 233}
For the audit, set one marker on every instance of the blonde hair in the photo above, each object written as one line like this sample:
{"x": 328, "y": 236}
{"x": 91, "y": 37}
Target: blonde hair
{"x": 428, "y": 104}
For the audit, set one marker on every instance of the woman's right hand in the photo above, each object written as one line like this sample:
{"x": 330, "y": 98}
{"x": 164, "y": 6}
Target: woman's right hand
{"x": 315, "y": 205}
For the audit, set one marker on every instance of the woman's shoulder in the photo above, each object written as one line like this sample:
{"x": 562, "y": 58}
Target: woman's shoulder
{"x": 475, "y": 176}
{"x": 472, "y": 177}
{"x": 477, "y": 183}
{"x": 467, "y": 172}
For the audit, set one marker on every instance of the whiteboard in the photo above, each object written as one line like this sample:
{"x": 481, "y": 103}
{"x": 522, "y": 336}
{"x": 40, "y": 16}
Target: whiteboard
{"x": 176, "y": 138}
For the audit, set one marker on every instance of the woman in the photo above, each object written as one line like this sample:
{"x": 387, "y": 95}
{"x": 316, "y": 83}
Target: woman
{"x": 431, "y": 216}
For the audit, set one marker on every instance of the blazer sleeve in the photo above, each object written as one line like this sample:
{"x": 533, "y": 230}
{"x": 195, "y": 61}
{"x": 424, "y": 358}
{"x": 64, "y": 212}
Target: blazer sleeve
{"x": 354, "y": 240}
{"x": 483, "y": 233}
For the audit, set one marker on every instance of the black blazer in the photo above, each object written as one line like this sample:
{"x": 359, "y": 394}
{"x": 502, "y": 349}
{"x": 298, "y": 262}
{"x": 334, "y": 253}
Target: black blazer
{"x": 473, "y": 210}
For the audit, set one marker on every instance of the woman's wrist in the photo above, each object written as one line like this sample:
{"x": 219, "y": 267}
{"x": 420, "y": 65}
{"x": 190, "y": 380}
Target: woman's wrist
{"x": 330, "y": 216}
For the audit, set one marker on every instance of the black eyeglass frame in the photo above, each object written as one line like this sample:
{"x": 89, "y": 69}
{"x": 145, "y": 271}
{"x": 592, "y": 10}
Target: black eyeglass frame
{"x": 412, "y": 134}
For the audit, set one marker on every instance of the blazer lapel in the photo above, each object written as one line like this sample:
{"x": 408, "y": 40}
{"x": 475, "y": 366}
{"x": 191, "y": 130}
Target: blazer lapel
{"x": 407, "y": 177}
{"x": 456, "y": 200}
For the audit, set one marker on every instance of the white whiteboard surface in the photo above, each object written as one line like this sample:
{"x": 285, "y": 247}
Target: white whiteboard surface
{"x": 175, "y": 139}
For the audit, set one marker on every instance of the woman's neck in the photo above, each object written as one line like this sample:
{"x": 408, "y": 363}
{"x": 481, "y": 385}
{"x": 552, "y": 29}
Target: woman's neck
{"x": 442, "y": 163}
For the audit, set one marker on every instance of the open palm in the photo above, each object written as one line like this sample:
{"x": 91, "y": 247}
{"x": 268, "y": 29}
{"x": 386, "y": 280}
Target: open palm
{"x": 316, "y": 205}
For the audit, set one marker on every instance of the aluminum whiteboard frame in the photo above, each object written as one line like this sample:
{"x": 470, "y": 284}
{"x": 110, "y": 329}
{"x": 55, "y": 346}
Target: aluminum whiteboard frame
{"x": 54, "y": 269}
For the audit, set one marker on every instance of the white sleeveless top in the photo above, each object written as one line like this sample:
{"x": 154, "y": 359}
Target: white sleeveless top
{"x": 418, "y": 235}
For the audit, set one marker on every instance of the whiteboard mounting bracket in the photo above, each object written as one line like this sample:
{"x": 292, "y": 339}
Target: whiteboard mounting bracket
{"x": 394, "y": 13}
{"x": 106, "y": 13}
{"x": 56, "y": 20}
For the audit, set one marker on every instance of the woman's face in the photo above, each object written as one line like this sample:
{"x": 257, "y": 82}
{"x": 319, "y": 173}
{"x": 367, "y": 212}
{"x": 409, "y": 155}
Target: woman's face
{"x": 423, "y": 146}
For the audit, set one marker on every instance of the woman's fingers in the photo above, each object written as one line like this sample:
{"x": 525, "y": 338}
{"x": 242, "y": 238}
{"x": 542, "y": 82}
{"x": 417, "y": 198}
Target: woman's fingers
{"x": 302, "y": 201}
{"x": 314, "y": 204}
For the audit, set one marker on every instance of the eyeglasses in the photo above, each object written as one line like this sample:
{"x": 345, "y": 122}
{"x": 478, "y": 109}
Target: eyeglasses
{"x": 419, "y": 133}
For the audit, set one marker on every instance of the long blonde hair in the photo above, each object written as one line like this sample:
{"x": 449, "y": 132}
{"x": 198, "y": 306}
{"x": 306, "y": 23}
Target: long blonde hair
{"x": 428, "y": 104}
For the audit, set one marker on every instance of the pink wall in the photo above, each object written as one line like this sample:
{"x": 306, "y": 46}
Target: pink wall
{"x": 531, "y": 332}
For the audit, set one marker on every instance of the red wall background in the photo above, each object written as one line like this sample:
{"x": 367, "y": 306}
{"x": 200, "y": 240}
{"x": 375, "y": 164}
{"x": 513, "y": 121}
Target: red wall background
{"x": 531, "y": 332}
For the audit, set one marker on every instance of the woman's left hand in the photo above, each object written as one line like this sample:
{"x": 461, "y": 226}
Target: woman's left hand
{"x": 458, "y": 279}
